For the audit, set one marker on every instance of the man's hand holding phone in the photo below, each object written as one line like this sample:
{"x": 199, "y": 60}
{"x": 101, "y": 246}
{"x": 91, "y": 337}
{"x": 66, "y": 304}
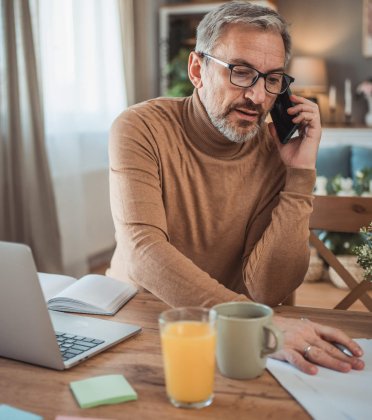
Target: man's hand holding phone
{"x": 300, "y": 151}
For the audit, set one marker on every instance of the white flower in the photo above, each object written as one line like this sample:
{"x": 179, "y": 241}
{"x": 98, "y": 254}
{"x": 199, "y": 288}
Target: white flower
{"x": 359, "y": 174}
{"x": 346, "y": 184}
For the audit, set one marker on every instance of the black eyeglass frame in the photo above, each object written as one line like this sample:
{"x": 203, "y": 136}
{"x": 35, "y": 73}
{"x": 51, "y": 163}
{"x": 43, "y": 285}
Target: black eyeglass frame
{"x": 289, "y": 79}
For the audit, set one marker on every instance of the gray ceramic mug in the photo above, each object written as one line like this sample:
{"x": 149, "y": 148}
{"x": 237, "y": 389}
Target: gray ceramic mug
{"x": 244, "y": 335}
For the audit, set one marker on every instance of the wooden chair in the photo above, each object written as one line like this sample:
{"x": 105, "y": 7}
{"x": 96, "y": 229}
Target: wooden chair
{"x": 342, "y": 214}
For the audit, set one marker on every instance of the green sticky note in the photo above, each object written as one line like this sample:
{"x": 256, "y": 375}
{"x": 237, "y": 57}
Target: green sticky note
{"x": 108, "y": 389}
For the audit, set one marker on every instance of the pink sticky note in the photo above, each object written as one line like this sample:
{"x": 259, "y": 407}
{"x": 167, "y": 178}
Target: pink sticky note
{"x": 78, "y": 418}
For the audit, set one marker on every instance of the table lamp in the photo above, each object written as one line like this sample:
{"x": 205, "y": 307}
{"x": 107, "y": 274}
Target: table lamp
{"x": 310, "y": 74}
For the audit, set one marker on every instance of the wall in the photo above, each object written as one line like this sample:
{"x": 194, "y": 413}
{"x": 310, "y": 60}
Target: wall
{"x": 331, "y": 29}
{"x": 99, "y": 224}
{"x": 83, "y": 206}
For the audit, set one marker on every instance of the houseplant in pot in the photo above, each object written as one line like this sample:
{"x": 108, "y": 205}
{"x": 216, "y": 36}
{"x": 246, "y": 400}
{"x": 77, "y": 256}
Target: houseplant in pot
{"x": 364, "y": 252}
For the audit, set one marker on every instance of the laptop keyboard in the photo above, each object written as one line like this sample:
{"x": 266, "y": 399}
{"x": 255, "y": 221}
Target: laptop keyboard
{"x": 73, "y": 345}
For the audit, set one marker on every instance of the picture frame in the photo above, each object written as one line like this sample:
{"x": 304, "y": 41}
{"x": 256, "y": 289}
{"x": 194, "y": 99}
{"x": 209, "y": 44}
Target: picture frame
{"x": 367, "y": 28}
{"x": 177, "y": 26}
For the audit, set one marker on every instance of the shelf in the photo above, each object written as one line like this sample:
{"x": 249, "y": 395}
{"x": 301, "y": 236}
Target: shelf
{"x": 358, "y": 135}
{"x": 351, "y": 126}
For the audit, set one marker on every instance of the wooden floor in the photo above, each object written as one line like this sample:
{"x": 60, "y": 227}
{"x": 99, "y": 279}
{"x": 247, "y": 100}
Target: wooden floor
{"x": 321, "y": 294}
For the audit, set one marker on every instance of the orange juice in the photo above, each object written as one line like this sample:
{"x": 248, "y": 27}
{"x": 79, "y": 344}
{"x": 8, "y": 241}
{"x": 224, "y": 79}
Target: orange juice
{"x": 189, "y": 360}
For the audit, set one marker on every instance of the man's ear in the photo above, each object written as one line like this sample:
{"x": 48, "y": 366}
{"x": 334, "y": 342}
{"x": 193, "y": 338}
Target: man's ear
{"x": 194, "y": 68}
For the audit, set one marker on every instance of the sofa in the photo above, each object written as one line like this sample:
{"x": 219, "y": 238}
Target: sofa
{"x": 345, "y": 160}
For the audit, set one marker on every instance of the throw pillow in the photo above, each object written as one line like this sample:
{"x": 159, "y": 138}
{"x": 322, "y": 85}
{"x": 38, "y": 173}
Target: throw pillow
{"x": 334, "y": 161}
{"x": 361, "y": 158}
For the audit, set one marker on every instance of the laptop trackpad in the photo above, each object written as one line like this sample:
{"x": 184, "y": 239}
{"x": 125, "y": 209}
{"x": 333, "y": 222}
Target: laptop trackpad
{"x": 110, "y": 331}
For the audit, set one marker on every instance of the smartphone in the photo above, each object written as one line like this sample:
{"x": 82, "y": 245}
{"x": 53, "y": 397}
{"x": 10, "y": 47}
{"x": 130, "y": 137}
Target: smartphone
{"x": 284, "y": 126}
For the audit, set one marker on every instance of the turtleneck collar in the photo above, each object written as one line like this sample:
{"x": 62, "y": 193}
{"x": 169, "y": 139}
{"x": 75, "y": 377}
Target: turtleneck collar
{"x": 205, "y": 136}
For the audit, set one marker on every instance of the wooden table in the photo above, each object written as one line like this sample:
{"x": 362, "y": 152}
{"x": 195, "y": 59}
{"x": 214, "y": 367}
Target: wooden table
{"x": 46, "y": 392}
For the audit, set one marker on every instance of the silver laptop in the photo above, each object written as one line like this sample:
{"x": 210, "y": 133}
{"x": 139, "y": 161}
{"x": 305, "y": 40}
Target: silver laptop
{"x": 31, "y": 333}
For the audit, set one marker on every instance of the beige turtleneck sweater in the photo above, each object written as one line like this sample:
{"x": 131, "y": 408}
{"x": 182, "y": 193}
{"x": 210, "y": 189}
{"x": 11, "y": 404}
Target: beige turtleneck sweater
{"x": 201, "y": 220}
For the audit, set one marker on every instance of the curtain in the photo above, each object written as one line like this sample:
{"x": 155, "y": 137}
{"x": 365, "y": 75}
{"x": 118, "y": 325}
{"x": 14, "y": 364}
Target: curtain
{"x": 27, "y": 206}
{"x": 127, "y": 22}
{"x": 83, "y": 91}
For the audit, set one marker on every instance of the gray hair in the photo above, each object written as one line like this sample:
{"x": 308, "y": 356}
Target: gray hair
{"x": 212, "y": 26}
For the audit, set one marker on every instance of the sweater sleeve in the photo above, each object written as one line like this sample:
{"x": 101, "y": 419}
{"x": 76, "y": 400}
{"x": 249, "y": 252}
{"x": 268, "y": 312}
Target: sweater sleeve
{"x": 277, "y": 252}
{"x": 144, "y": 254}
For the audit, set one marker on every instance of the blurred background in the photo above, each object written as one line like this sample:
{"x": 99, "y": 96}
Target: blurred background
{"x": 69, "y": 67}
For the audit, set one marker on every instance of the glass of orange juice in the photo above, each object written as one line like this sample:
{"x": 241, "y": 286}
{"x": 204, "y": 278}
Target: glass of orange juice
{"x": 188, "y": 339}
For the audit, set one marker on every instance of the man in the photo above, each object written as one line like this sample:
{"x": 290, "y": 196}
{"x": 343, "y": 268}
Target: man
{"x": 208, "y": 205}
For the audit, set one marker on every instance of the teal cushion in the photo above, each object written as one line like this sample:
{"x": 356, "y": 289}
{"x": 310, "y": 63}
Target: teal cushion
{"x": 334, "y": 161}
{"x": 361, "y": 158}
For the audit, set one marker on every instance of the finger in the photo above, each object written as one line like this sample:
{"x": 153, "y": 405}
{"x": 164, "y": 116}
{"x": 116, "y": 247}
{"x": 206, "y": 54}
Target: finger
{"x": 302, "y": 108}
{"x": 322, "y": 358}
{"x": 334, "y": 352}
{"x": 296, "y": 359}
{"x": 304, "y": 117}
{"x": 301, "y": 100}
{"x": 327, "y": 335}
{"x": 333, "y": 334}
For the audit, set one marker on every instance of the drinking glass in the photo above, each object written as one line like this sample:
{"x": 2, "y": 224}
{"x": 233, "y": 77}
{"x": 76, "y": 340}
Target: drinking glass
{"x": 188, "y": 339}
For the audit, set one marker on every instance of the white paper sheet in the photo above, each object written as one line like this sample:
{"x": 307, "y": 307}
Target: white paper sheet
{"x": 329, "y": 394}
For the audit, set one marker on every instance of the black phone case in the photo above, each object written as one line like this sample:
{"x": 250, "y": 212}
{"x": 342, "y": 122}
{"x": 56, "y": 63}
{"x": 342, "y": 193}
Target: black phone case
{"x": 284, "y": 126}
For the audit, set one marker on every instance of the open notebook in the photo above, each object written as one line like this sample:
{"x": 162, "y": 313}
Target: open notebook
{"x": 31, "y": 333}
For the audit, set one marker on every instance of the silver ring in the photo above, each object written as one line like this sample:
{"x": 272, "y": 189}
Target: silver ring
{"x": 307, "y": 352}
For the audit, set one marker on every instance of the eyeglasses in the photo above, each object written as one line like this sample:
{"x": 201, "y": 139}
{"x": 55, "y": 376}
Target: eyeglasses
{"x": 245, "y": 76}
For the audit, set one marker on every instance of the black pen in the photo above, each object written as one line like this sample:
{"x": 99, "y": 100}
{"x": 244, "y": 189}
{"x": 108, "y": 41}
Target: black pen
{"x": 342, "y": 348}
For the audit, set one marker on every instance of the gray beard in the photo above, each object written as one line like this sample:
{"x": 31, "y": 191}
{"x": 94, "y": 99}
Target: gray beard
{"x": 231, "y": 133}
{"x": 227, "y": 129}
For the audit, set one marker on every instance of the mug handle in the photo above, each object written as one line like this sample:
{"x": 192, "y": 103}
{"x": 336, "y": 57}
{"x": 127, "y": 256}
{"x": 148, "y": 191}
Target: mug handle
{"x": 272, "y": 330}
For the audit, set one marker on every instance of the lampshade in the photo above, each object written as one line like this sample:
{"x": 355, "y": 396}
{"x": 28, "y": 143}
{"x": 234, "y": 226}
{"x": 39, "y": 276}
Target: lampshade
{"x": 310, "y": 74}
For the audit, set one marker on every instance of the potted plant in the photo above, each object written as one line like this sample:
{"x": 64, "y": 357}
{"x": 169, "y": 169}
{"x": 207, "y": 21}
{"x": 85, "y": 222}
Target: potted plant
{"x": 363, "y": 182}
{"x": 179, "y": 83}
{"x": 364, "y": 252}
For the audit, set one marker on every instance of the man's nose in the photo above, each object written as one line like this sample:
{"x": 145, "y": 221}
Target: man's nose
{"x": 257, "y": 92}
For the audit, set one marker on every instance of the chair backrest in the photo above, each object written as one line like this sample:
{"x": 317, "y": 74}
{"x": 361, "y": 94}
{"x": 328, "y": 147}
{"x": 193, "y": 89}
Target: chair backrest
{"x": 341, "y": 214}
